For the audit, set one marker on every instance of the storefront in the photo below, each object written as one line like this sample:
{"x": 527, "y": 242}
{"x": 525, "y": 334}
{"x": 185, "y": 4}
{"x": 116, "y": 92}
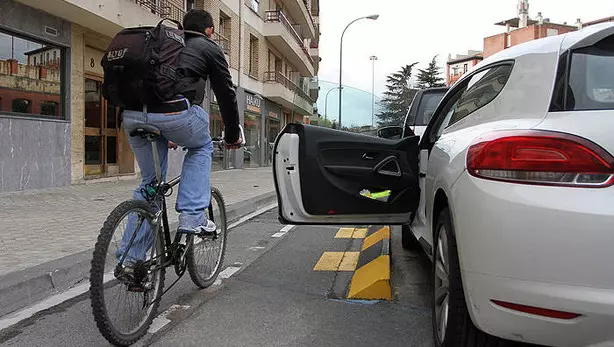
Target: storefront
{"x": 272, "y": 127}
{"x": 253, "y": 130}
{"x": 216, "y": 129}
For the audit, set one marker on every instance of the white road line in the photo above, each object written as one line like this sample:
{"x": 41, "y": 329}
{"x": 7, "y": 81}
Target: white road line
{"x": 229, "y": 271}
{"x": 287, "y": 228}
{"x": 256, "y": 248}
{"x": 279, "y": 234}
{"x": 160, "y": 321}
{"x": 252, "y": 215}
{"x": 54, "y": 300}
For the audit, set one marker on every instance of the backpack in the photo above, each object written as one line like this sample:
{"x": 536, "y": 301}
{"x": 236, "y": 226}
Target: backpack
{"x": 140, "y": 65}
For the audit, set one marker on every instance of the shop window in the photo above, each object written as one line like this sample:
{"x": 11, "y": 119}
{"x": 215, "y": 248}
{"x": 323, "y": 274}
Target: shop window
{"x": 40, "y": 91}
{"x": 21, "y": 106}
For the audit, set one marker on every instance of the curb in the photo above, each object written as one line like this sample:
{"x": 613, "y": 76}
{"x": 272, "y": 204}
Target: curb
{"x": 26, "y": 287}
{"x": 371, "y": 280}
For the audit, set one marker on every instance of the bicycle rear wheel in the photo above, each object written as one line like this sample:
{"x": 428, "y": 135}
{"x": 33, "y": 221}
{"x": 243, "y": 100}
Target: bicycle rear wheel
{"x": 206, "y": 254}
{"x": 122, "y": 308}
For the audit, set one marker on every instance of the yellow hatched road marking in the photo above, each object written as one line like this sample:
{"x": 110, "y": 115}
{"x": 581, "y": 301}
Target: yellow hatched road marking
{"x": 349, "y": 233}
{"x": 337, "y": 261}
{"x": 383, "y": 233}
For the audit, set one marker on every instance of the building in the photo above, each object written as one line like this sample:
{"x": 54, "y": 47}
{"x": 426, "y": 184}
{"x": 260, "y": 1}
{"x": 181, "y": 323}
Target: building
{"x": 56, "y": 128}
{"x": 598, "y": 21}
{"x": 523, "y": 29}
{"x": 458, "y": 66}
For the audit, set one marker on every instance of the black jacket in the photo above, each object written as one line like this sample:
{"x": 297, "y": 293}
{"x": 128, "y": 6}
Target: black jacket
{"x": 202, "y": 58}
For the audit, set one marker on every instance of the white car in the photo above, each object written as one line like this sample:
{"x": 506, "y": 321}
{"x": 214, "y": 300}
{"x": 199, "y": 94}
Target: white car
{"x": 510, "y": 192}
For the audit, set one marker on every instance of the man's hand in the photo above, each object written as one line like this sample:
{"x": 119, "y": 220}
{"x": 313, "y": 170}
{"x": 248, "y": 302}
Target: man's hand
{"x": 235, "y": 145}
{"x": 172, "y": 145}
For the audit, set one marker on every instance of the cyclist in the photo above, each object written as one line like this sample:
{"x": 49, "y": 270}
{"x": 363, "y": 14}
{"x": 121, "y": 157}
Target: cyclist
{"x": 183, "y": 122}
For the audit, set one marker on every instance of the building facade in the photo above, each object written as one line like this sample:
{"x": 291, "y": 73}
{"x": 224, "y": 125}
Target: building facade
{"x": 461, "y": 64}
{"x": 522, "y": 29}
{"x": 57, "y": 129}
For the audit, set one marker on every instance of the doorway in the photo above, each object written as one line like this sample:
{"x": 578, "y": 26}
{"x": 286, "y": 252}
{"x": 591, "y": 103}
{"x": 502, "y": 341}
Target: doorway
{"x": 107, "y": 151}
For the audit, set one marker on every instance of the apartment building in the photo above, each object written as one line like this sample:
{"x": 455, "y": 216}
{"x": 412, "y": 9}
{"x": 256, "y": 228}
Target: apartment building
{"x": 460, "y": 65}
{"x": 57, "y": 129}
{"x": 522, "y": 29}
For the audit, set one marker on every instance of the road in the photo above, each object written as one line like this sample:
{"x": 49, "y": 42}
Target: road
{"x": 270, "y": 296}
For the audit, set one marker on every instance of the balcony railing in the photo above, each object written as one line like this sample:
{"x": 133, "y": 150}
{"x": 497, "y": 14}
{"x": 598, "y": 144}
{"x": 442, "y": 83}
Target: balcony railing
{"x": 277, "y": 76}
{"x": 163, "y": 8}
{"x": 222, "y": 41}
{"x": 278, "y": 16}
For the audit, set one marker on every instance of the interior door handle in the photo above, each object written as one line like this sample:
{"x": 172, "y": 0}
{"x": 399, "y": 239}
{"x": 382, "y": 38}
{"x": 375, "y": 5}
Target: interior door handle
{"x": 368, "y": 156}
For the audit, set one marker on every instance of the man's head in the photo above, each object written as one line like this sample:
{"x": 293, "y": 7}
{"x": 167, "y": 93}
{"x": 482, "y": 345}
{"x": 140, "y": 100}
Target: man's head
{"x": 198, "y": 20}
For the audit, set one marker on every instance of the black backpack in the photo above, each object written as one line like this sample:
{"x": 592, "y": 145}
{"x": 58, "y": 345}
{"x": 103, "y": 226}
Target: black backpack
{"x": 140, "y": 65}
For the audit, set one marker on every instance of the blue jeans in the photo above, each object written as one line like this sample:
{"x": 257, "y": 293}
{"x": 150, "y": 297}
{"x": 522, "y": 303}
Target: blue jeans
{"x": 189, "y": 129}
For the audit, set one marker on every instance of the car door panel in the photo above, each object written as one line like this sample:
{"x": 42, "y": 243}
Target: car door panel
{"x": 320, "y": 174}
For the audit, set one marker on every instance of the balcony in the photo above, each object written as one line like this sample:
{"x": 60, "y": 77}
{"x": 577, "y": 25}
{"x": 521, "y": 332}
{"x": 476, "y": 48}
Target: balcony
{"x": 285, "y": 92}
{"x": 163, "y": 8}
{"x": 280, "y": 32}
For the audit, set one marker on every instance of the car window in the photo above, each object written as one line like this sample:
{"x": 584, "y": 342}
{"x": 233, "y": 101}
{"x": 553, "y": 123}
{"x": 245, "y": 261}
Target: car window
{"x": 444, "y": 115}
{"x": 591, "y": 77}
{"x": 481, "y": 90}
{"x": 427, "y": 106}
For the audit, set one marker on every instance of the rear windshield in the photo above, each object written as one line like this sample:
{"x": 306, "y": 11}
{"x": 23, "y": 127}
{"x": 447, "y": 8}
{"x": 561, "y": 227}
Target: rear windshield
{"x": 427, "y": 106}
{"x": 591, "y": 77}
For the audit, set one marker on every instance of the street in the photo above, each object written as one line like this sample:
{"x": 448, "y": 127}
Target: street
{"x": 274, "y": 297}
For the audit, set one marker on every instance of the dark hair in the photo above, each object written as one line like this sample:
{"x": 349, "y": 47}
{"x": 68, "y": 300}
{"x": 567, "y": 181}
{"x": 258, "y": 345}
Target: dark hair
{"x": 197, "y": 20}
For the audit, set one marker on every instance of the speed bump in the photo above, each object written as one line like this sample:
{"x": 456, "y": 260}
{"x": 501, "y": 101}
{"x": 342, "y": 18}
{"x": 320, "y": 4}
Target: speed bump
{"x": 371, "y": 280}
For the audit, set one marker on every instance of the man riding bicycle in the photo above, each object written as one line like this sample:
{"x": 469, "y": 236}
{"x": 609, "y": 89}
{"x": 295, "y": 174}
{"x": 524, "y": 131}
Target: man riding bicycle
{"x": 183, "y": 122}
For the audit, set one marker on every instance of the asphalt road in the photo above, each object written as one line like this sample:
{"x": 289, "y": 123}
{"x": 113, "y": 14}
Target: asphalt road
{"x": 272, "y": 297}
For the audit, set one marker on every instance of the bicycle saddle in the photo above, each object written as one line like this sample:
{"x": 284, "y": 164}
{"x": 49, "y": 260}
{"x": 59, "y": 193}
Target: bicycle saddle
{"x": 145, "y": 130}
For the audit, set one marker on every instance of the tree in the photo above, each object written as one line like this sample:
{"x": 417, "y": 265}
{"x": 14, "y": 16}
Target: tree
{"x": 397, "y": 97}
{"x": 431, "y": 76}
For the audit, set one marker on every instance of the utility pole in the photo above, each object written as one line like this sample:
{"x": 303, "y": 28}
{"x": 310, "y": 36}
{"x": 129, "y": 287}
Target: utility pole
{"x": 373, "y": 58}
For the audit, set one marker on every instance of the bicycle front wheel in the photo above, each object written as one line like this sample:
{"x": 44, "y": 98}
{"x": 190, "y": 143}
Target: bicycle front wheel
{"x": 122, "y": 300}
{"x": 206, "y": 254}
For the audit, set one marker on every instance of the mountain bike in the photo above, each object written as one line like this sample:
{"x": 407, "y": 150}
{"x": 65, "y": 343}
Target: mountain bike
{"x": 115, "y": 294}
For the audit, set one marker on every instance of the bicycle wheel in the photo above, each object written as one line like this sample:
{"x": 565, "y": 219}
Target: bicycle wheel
{"x": 206, "y": 254}
{"x": 121, "y": 308}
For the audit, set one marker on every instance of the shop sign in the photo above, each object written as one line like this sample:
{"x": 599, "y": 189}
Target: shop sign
{"x": 91, "y": 60}
{"x": 253, "y": 102}
{"x": 273, "y": 115}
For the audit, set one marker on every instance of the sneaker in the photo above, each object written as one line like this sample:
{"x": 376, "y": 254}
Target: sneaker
{"x": 202, "y": 230}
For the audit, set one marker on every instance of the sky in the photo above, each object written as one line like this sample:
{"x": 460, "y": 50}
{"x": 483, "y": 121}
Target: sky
{"x": 410, "y": 30}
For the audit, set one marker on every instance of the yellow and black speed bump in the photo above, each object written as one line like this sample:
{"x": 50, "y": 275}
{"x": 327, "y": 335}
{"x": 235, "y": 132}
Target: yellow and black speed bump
{"x": 371, "y": 280}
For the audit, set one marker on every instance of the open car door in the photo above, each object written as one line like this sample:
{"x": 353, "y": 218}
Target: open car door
{"x": 325, "y": 176}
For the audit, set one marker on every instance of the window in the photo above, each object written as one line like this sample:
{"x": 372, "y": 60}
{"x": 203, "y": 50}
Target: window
{"x": 482, "y": 88}
{"x": 50, "y": 108}
{"x": 508, "y": 42}
{"x": 55, "y": 55}
{"x": 26, "y": 88}
{"x": 465, "y": 68}
{"x": 21, "y": 106}
{"x": 189, "y": 4}
{"x": 552, "y": 32}
{"x": 253, "y": 56}
{"x": 253, "y": 4}
{"x": 427, "y": 106}
{"x": 591, "y": 77}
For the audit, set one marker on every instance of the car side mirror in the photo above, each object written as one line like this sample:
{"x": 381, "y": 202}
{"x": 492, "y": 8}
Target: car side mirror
{"x": 391, "y": 132}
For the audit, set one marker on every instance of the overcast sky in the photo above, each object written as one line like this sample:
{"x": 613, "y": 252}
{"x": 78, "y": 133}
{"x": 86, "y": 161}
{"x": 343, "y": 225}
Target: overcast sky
{"x": 412, "y": 30}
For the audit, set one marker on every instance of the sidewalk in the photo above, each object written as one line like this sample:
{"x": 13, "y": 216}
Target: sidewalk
{"x": 42, "y": 226}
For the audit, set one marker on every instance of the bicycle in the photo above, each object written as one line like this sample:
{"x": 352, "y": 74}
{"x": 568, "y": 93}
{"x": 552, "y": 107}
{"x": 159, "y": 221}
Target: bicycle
{"x": 145, "y": 284}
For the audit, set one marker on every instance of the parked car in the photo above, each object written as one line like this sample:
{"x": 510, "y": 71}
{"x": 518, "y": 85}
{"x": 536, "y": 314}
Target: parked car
{"x": 418, "y": 115}
{"x": 509, "y": 191}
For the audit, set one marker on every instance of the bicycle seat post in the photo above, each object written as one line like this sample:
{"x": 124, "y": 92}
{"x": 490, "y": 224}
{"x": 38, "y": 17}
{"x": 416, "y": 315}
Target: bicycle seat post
{"x": 156, "y": 158}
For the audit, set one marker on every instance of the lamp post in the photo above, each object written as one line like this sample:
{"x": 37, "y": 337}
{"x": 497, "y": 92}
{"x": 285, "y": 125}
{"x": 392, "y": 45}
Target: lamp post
{"x": 372, "y": 17}
{"x": 373, "y": 58}
{"x": 326, "y": 103}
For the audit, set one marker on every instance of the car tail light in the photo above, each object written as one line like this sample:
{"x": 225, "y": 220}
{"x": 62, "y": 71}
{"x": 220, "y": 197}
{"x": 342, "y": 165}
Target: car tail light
{"x": 539, "y": 311}
{"x": 540, "y": 157}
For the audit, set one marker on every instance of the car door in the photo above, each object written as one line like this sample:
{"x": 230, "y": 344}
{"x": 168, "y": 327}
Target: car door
{"x": 326, "y": 176}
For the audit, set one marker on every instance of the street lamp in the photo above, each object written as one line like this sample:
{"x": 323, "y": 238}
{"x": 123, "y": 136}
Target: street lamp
{"x": 372, "y": 17}
{"x": 373, "y": 58}
{"x": 326, "y": 102}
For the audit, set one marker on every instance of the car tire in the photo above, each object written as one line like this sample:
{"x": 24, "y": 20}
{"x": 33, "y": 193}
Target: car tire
{"x": 459, "y": 330}
{"x": 408, "y": 240}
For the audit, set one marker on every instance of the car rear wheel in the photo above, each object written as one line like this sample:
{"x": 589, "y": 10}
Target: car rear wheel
{"x": 452, "y": 325}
